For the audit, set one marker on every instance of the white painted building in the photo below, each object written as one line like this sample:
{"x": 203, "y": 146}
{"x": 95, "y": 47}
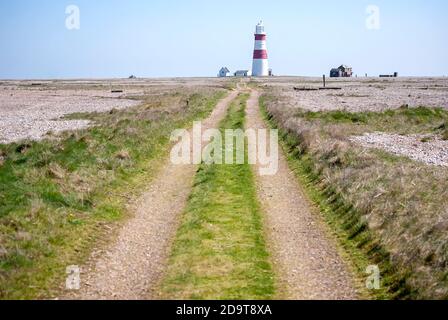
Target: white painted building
{"x": 224, "y": 72}
{"x": 242, "y": 73}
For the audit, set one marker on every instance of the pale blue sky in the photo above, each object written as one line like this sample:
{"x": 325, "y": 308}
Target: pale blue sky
{"x": 152, "y": 38}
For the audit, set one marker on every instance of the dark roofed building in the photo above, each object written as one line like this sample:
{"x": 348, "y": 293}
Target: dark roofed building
{"x": 342, "y": 72}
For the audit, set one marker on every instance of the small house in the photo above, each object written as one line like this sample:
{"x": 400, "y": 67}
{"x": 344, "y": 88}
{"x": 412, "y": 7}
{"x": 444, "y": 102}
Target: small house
{"x": 342, "y": 72}
{"x": 242, "y": 73}
{"x": 224, "y": 72}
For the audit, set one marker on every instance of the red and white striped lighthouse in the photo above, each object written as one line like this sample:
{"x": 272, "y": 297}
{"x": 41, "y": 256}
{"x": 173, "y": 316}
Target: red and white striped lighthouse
{"x": 260, "y": 66}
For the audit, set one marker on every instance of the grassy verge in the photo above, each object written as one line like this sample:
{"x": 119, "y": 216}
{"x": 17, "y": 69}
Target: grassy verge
{"x": 388, "y": 211}
{"x": 57, "y": 195}
{"x": 405, "y": 120}
{"x": 338, "y": 214}
{"x": 219, "y": 251}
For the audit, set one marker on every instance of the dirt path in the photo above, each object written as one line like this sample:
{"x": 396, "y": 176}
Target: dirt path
{"x": 131, "y": 267}
{"x": 307, "y": 260}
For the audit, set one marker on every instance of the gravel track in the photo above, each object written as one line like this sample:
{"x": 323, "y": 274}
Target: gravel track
{"x": 304, "y": 254}
{"x": 131, "y": 266}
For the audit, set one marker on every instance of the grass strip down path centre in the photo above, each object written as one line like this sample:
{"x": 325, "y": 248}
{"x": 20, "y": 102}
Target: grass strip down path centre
{"x": 219, "y": 251}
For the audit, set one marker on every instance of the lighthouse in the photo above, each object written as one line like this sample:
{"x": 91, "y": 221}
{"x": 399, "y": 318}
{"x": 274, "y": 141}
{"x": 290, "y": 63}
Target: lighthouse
{"x": 260, "y": 66}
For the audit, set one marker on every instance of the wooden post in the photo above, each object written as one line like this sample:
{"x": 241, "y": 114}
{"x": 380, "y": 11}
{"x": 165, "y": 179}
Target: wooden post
{"x": 325, "y": 84}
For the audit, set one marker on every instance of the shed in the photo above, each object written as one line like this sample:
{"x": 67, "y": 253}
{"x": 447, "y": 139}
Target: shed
{"x": 343, "y": 71}
{"x": 242, "y": 73}
{"x": 224, "y": 72}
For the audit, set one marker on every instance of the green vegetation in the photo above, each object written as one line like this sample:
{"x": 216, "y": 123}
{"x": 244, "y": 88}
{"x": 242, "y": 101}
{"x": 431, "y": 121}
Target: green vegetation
{"x": 444, "y": 130}
{"x": 338, "y": 214}
{"x": 220, "y": 252}
{"x": 57, "y": 195}
{"x": 388, "y": 211}
{"x": 404, "y": 120}
{"x": 231, "y": 84}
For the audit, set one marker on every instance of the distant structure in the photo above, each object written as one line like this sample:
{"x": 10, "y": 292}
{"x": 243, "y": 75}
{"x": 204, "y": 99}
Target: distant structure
{"x": 342, "y": 72}
{"x": 395, "y": 75}
{"x": 241, "y": 73}
{"x": 260, "y": 66}
{"x": 224, "y": 72}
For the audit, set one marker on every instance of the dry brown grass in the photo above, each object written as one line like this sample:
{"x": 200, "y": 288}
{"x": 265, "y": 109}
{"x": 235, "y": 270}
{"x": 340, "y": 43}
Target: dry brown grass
{"x": 403, "y": 204}
{"x": 444, "y": 129}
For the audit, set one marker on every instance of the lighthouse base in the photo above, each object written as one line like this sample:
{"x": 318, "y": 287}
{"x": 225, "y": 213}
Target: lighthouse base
{"x": 260, "y": 68}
